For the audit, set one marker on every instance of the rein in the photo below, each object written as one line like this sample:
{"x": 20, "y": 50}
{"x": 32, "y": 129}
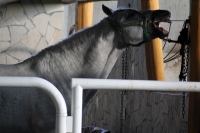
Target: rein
{"x": 141, "y": 23}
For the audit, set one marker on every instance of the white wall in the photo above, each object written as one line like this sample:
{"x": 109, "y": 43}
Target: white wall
{"x": 179, "y": 13}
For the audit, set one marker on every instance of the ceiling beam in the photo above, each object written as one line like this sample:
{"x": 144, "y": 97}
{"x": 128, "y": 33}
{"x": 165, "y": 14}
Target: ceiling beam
{"x": 74, "y": 1}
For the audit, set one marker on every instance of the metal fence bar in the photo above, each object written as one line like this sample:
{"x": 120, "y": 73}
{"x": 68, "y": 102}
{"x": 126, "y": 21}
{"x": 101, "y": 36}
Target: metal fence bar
{"x": 77, "y": 109}
{"x": 78, "y": 84}
{"x": 50, "y": 89}
{"x": 147, "y": 85}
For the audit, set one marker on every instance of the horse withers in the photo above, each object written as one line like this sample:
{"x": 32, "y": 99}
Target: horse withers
{"x": 89, "y": 53}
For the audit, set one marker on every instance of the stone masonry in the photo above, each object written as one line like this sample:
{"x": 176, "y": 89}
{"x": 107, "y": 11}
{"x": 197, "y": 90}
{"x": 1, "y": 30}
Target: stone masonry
{"x": 28, "y": 27}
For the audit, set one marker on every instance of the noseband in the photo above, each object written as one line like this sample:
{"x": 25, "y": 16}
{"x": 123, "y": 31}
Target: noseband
{"x": 142, "y": 23}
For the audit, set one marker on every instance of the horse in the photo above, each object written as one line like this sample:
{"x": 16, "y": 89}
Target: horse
{"x": 88, "y": 53}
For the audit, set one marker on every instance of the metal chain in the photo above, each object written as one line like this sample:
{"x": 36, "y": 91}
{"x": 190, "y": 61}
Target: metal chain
{"x": 184, "y": 72}
{"x": 121, "y": 112}
{"x": 183, "y": 39}
{"x": 122, "y": 95}
{"x": 126, "y": 66}
{"x": 183, "y": 105}
{"x": 184, "y": 52}
{"x": 123, "y": 74}
{"x": 184, "y": 65}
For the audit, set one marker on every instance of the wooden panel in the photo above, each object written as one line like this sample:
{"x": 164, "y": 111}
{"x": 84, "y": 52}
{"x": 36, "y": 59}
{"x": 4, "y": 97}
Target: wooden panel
{"x": 154, "y": 54}
{"x": 194, "y": 105}
{"x": 85, "y": 14}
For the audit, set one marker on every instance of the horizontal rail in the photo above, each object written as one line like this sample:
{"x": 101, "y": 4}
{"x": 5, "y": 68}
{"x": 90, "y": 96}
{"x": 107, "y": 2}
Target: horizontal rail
{"x": 46, "y": 86}
{"x": 114, "y": 84}
{"x": 78, "y": 84}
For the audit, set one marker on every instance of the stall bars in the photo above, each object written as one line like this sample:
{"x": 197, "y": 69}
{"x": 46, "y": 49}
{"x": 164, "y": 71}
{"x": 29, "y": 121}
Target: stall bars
{"x": 63, "y": 122}
{"x": 79, "y": 84}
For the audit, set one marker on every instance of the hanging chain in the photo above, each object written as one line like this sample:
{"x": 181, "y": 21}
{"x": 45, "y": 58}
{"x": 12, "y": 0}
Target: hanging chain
{"x": 183, "y": 105}
{"x": 183, "y": 39}
{"x": 123, "y": 74}
{"x": 184, "y": 72}
{"x": 122, "y": 95}
{"x": 184, "y": 52}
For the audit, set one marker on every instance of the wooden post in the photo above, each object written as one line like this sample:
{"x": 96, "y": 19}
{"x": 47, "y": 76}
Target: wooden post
{"x": 84, "y": 15}
{"x": 154, "y": 54}
{"x": 194, "y": 101}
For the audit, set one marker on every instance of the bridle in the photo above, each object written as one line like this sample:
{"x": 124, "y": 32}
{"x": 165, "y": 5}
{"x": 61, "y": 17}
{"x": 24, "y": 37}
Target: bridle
{"x": 142, "y": 23}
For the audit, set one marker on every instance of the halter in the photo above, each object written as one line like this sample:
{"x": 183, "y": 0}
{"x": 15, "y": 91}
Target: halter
{"x": 143, "y": 23}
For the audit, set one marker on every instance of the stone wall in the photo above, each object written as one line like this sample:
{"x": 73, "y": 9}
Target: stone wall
{"x": 28, "y": 27}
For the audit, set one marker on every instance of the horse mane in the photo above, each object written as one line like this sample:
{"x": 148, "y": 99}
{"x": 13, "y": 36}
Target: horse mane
{"x": 70, "y": 42}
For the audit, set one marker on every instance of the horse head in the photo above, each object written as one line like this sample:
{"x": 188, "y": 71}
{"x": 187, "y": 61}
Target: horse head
{"x": 137, "y": 27}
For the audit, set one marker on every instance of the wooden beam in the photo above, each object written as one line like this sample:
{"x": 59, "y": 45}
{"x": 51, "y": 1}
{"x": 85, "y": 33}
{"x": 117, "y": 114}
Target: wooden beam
{"x": 74, "y": 1}
{"x": 85, "y": 14}
{"x": 194, "y": 101}
{"x": 154, "y": 54}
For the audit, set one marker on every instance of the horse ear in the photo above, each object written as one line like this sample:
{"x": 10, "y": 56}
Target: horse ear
{"x": 107, "y": 10}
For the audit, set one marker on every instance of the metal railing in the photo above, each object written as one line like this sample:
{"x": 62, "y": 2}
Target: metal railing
{"x": 79, "y": 84}
{"x": 50, "y": 89}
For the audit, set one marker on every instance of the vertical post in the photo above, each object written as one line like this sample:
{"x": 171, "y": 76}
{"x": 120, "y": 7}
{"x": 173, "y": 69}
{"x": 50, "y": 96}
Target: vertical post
{"x": 84, "y": 18}
{"x": 194, "y": 101}
{"x": 154, "y": 54}
{"x": 84, "y": 15}
{"x": 77, "y": 109}
{"x": 72, "y": 102}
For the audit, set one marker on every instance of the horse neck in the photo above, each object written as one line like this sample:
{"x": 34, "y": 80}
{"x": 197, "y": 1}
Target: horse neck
{"x": 97, "y": 48}
{"x": 89, "y": 53}
{"x": 97, "y": 35}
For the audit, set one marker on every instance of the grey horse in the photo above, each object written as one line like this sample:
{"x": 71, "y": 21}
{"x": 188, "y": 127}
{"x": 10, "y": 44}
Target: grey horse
{"x": 89, "y": 53}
